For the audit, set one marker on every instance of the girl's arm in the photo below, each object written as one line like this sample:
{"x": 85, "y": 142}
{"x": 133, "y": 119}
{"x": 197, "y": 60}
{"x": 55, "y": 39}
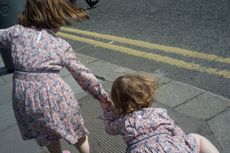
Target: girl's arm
{"x": 84, "y": 76}
{"x": 5, "y": 37}
{"x": 113, "y": 125}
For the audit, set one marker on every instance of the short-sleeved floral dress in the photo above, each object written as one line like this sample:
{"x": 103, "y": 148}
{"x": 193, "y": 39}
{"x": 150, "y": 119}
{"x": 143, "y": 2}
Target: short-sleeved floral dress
{"x": 150, "y": 130}
{"x": 44, "y": 105}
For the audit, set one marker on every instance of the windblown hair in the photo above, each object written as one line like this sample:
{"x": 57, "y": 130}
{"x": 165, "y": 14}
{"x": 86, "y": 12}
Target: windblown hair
{"x": 50, "y": 14}
{"x": 132, "y": 92}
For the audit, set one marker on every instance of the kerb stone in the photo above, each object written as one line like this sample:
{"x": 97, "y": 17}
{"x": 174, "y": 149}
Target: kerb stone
{"x": 175, "y": 93}
{"x": 204, "y": 106}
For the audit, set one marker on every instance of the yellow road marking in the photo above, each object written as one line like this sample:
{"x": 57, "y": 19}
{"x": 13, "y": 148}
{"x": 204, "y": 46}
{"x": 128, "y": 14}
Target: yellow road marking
{"x": 155, "y": 57}
{"x": 139, "y": 43}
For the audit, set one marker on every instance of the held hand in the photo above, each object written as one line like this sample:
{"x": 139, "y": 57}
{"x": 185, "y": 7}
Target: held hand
{"x": 106, "y": 104}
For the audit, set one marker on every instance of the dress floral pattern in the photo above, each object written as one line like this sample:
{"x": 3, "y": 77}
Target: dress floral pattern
{"x": 44, "y": 105}
{"x": 150, "y": 130}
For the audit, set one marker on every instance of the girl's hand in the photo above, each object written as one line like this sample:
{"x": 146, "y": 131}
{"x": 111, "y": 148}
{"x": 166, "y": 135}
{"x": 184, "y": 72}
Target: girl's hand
{"x": 106, "y": 105}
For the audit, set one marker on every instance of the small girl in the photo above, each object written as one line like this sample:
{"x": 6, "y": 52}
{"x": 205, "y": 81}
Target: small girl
{"x": 44, "y": 105}
{"x": 146, "y": 129}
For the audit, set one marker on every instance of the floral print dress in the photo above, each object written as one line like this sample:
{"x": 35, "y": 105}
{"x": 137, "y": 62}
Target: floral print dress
{"x": 44, "y": 105}
{"x": 150, "y": 130}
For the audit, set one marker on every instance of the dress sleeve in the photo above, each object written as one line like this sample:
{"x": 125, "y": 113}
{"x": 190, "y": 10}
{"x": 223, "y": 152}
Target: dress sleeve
{"x": 85, "y": 78}
{"x": 5, "y": 37}
{"x": 113, "y": 125}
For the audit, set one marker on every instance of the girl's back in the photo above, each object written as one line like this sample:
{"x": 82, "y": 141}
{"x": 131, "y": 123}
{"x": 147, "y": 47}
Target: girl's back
{"x": 34, "y": 50}
{"x": 44, "y": 104}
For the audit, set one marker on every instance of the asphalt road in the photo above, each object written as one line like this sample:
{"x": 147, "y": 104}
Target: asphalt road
{"x": 194, "y": 25}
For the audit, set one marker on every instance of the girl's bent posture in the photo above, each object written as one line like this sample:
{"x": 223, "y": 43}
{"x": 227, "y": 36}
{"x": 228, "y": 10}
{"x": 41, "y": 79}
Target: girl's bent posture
{"x": 44, "y": 105}
{"x": 146, "y": 129}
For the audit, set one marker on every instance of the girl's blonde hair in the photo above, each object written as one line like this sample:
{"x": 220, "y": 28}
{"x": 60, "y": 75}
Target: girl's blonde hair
{"x": 50, "y": 14}
{"x": 132, "y": 92}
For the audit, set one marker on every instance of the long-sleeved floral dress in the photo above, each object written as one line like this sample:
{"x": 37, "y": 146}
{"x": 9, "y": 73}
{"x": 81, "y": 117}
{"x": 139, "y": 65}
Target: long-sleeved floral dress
{"x": 44, "y": 105}
{"x": 150, "y": 130}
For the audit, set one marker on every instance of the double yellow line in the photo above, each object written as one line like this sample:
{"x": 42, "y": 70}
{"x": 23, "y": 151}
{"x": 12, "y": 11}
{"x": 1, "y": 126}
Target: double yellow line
{"x": 152, "y": 56}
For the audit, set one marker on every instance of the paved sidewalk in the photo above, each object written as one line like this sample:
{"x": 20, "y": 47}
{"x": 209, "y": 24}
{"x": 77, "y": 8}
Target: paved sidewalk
{"x": 194, "y": 109}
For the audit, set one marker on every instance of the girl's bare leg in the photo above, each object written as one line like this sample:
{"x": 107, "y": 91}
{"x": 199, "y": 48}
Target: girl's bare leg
{"x": 205, "y": 145}
{"x": 54, "y": 147}
{"x": 83, "y": 145}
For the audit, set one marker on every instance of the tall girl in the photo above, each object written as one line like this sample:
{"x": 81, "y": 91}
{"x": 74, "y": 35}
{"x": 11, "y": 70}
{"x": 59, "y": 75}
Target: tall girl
{"x": 44, "y": 105}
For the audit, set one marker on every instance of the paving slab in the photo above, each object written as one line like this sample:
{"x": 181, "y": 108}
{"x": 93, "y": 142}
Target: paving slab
{"x": 8, "y": 77}
{"x": 64, "y": 72}
{"x": 86, "y": 59}
{"x": 7, "y": 118}
{"x": 11, "y": 142}
{"x": 2, "y": 81}
{"x": 5, "y": 93}
{"x": 220, "y": 126}
{"x": 1, "y": 62}
{"x": 108, "y": 71}
{"x": 175, "y": 93}
{"x": 204, "y": 106}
